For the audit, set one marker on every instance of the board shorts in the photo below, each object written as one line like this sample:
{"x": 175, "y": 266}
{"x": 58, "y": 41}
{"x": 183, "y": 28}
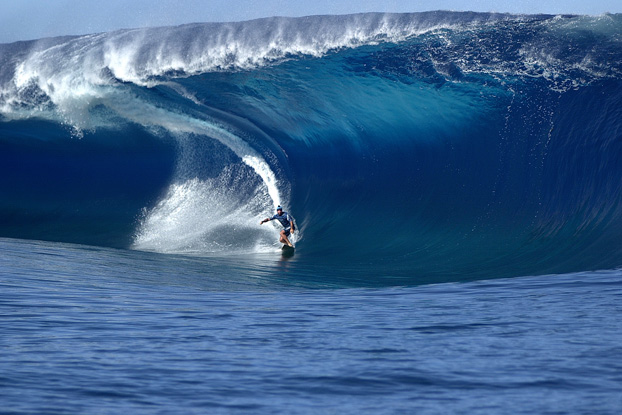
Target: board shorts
{"x": 287, "y": 231}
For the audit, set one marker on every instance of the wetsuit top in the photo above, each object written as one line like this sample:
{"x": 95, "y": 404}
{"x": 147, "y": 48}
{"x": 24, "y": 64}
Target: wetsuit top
{"x": 284, "y": 219}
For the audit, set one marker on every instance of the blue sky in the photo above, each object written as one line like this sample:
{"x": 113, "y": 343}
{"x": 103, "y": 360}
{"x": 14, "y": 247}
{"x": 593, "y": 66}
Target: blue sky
{"x": 33, "y": 19}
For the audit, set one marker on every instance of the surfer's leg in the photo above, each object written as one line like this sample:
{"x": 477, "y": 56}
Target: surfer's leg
{"x": 284, "y": 239}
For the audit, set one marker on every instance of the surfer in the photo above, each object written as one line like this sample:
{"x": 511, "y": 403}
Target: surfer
{"x": 288, "y": 225}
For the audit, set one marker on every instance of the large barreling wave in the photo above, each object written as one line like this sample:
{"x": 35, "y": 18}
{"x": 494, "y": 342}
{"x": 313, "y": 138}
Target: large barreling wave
{"x": 428, "y": 143}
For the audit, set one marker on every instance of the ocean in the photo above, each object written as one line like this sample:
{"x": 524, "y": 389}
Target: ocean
{"x": 455, "y": 181}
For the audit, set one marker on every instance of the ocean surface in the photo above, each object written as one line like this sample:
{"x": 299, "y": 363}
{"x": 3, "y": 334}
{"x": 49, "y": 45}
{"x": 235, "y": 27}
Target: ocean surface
{"x": 456, "y": 184}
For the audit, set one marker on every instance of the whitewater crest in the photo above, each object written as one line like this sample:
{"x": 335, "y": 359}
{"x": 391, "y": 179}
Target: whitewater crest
{"x": 68, "y": 76}
{"x": 139, "y": 55}
{"x": 65, "y": 78}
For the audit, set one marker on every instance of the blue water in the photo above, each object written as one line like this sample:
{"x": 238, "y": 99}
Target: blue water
{"x": 96, "y": 330}
{"x": 455, "y": 179}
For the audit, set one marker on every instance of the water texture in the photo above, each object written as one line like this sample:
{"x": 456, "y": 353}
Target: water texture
{"x": 455, "y": 179}
{"x": 93, "y": 330}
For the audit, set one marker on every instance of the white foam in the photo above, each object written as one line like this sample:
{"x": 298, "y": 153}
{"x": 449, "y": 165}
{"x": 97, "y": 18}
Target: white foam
{"x": 73, "y": 73}
{"x": 206, "y": 216}
{"x": 74, "y": 68}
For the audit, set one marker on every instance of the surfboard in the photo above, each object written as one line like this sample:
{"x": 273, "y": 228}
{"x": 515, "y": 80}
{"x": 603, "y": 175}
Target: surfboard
{"x": 287, "y": 251}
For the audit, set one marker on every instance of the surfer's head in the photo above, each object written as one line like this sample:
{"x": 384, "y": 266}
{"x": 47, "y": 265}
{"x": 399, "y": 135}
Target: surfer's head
{"x": 279, "y": 209}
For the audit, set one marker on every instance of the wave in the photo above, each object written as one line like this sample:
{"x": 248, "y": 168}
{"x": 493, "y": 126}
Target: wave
{"x": 435, "y": 143}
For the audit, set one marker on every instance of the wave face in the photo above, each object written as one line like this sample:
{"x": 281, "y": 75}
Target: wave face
{"x": 428, "y": 144}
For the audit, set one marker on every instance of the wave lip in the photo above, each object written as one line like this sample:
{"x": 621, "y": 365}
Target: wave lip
{"x": 72, "y": 74}
{"x": 78, "y": 65}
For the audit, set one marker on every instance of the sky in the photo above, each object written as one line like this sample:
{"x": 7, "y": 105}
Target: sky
{"x": 34, "y": 19}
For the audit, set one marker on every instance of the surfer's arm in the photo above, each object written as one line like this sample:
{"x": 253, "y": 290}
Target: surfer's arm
{"x": 291, "y": 226}
{"x": 264, "y": 221}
